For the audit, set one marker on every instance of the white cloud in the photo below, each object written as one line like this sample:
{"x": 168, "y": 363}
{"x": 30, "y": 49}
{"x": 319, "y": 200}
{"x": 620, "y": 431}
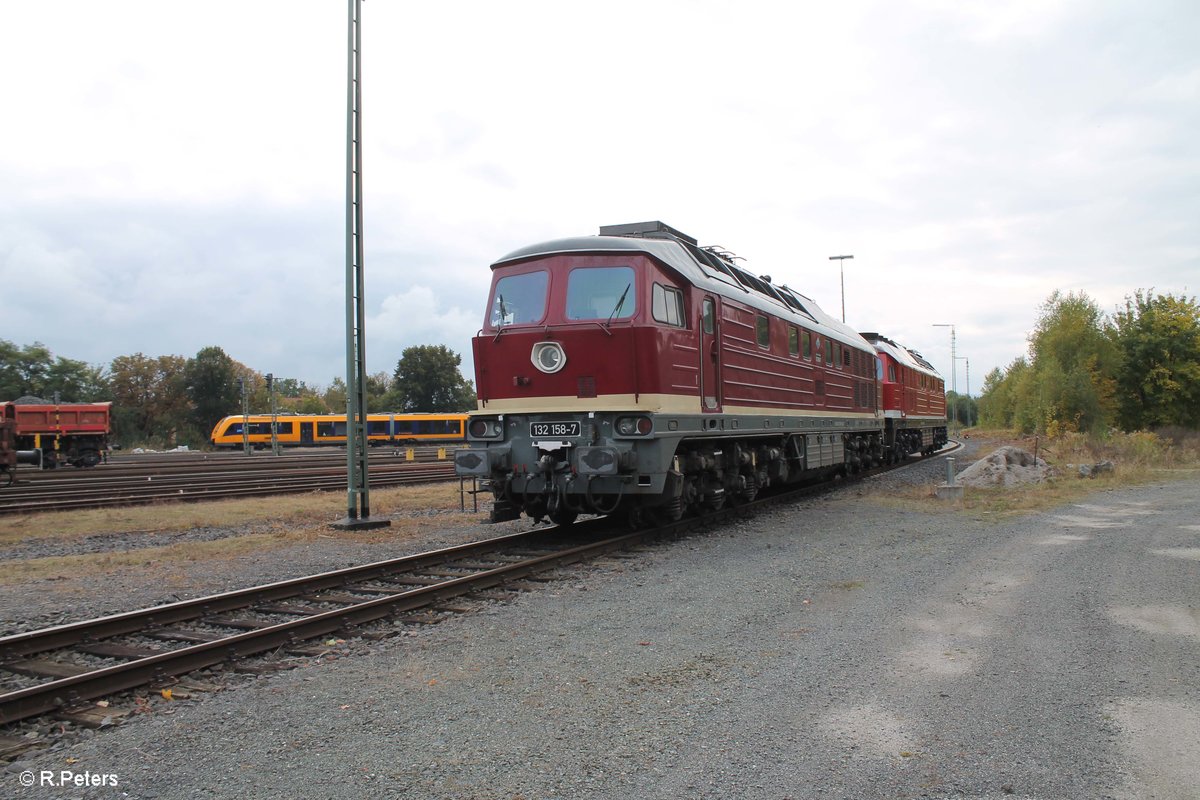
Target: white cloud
{"x": 176, "y": 173}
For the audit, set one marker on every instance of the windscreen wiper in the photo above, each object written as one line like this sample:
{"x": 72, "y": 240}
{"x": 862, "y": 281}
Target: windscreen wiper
{"x": 620, "y": 303}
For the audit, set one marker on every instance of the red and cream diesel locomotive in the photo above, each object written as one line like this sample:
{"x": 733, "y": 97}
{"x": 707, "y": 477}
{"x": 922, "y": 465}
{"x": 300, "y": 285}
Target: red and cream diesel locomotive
{"x": 638, "y": 373}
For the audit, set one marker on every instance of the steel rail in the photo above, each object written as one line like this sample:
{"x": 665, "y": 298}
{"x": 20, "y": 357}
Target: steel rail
{"x": 164, "y": 490}
{"x": 54, "y": 694}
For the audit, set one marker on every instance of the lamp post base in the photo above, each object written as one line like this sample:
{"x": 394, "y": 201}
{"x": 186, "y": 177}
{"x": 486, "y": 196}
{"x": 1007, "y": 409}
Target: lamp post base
{"x": 360, "y": 523}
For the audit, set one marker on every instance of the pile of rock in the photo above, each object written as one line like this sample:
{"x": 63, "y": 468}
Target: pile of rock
{"x": 1090, "y": 470}
{"x": 1008, "y": 466}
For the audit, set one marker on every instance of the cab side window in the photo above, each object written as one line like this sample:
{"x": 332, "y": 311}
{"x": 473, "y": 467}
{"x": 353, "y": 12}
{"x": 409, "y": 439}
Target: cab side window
{"x": 667, "y": 305}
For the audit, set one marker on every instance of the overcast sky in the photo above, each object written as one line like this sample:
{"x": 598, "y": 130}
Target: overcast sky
{"x": 172, "y": 175}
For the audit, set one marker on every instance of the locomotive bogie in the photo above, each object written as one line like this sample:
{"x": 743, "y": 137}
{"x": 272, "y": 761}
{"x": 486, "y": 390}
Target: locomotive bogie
{"x": 594, "y": 463}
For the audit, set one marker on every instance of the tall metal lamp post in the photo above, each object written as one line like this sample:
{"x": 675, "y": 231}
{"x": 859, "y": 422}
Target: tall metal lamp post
{"x": 953, "y": 370}
{"x": 842, "y": 274}
{"x": 358, "y": 494}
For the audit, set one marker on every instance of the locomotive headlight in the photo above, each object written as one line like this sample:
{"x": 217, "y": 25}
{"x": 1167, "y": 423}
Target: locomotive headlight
{"x": 548, "y": 356}
{"x": 484, "y": 429}
{"x": 634, "y": 426}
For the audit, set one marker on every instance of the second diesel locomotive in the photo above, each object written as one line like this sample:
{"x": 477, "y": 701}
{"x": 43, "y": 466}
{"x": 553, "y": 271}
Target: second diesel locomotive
{"x": 638, "y": 373}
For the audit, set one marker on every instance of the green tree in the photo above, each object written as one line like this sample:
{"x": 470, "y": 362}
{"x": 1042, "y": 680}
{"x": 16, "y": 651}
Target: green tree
{"x": 76, "y": 381}
{"x": 150, "y": 404}
{"x": 312, "y": 403}
{"x": 23, "y": 369}
{"x": 212, "y": 388}
{"x": 1158, "y": 382}
{"x": 995, "y": 400}
{"x": 335, "y": 396}
{"x": 427, "y": 379}
{"x": 962, "y": 408}
{"x": 1073, "y": 361}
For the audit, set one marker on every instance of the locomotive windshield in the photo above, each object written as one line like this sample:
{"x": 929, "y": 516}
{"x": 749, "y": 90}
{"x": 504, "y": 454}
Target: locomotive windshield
{"x": 519, "y": 299}
{"x": 601, "y": 293}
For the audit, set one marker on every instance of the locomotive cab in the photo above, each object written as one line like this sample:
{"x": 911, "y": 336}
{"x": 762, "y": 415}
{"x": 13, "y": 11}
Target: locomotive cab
{"x": 566, "y": 332}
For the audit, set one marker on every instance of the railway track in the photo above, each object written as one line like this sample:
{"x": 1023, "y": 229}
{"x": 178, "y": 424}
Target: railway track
{"x": 208, "y": 477}
{"x": 70, "y": 664}
{"x": 67, "y": 665}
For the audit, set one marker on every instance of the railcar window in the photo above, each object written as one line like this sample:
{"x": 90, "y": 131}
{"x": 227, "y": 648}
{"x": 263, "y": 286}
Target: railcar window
{"x": 519, "y": 299}
{"x": 710, "y": 314}
{"x": 807, "y": 339}
{"x": 878, "y": 368}
{"x": 667, "y": 305}
{"x": 828, "y": 353}
{"x": 793, "y": 341}
{"x": 331, "y": 428}
{"x": 259, "y": 428}
{"x": 601, "y": 293}
{"x": 764, "y": 331}
{"x": 377, "y": 427}
{"x": 837, "y": 353}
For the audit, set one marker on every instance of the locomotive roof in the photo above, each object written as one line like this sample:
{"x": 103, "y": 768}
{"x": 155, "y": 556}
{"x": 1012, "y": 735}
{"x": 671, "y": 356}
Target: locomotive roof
{"x": 909, "y": 358}
{"x": 707, "y": 269}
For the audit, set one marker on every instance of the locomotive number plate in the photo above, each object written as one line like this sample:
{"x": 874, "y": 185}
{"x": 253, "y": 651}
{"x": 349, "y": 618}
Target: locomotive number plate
{"x": 539, "y": 429}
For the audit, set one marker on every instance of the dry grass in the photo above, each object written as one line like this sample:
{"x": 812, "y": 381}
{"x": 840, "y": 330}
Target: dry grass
{"x": 1138, "y": 458}
{"x": 314, "y": 509}
{"x": 263, "y": 525}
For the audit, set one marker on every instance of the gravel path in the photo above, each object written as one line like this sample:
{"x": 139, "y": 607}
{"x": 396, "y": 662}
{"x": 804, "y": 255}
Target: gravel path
{"x": 836, "y": 648}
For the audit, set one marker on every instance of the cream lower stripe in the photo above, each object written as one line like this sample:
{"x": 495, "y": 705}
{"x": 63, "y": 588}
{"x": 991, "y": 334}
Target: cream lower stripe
{"x": 646, "y": 403}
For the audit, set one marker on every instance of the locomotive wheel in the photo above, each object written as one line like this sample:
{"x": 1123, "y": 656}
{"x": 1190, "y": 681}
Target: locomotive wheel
{"x": 560, "y": 515}
{"x": 635, "y": 519}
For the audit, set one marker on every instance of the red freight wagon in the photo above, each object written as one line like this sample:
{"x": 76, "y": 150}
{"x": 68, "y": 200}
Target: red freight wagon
{"x": 65, "y": 433}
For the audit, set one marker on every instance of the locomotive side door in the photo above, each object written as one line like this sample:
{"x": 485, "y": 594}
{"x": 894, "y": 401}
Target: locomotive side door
{"x": 710, "y": 356}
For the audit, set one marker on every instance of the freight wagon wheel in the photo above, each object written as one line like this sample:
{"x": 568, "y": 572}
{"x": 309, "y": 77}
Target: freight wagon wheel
{"x": 12, "y": 478}
{"x": 89, "y": 458}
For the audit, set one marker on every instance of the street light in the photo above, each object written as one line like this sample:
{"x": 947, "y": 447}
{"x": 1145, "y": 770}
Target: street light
{"x": 842, "y": 274}
{"x": 954, "y": 372}
{"x": 953, "y": 365}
